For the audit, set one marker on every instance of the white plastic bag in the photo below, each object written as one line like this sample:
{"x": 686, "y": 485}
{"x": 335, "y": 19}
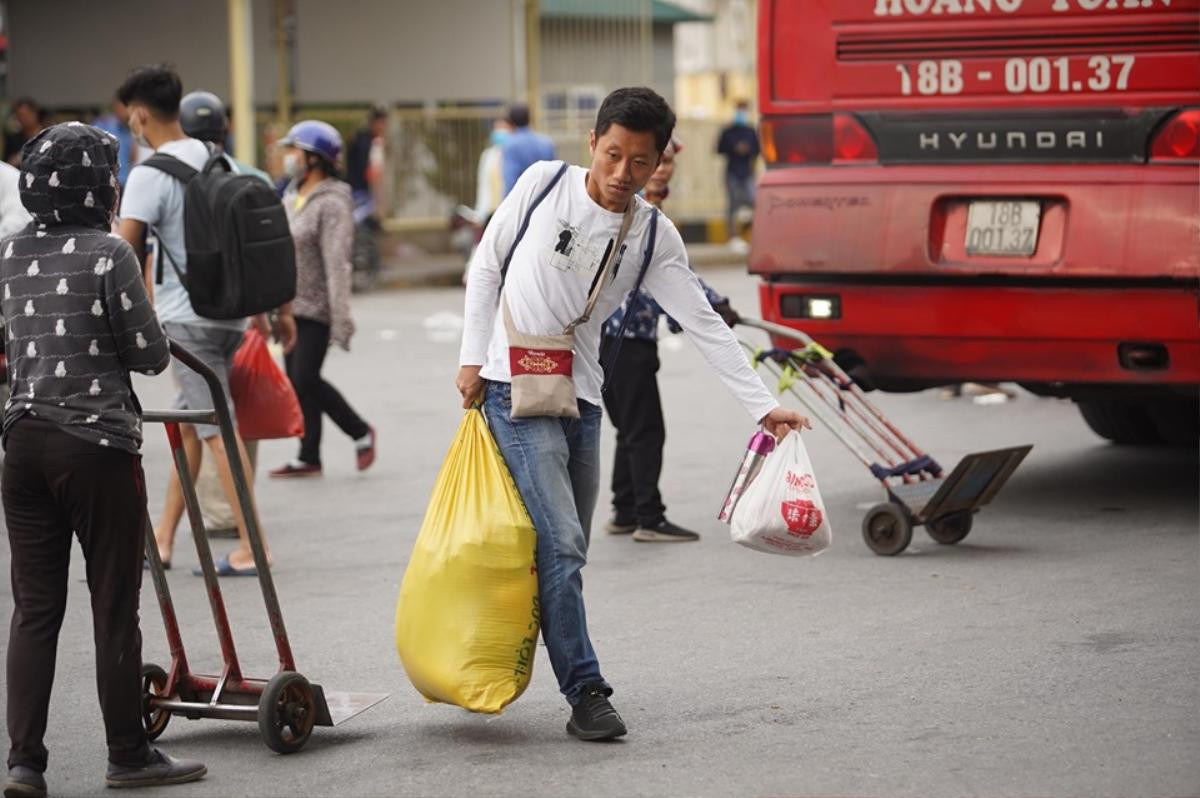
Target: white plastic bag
{"x": 782, "y": 512}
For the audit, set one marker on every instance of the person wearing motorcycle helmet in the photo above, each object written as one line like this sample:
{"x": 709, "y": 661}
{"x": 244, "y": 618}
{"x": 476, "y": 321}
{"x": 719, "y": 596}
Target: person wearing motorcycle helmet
{"x": 202, "y": 116}
{"x": 320, "y": 213}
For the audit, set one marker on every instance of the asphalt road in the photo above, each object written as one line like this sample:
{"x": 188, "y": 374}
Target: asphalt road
{"x": 1055, "y": 652}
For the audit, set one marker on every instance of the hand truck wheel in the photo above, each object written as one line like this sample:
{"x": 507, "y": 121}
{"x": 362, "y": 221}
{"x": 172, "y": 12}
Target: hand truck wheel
{"x": 951, "y": 528}
{"x": 287, "y": 711}
{"x": 154, "y": 684}
{"x": 887, "y": 529}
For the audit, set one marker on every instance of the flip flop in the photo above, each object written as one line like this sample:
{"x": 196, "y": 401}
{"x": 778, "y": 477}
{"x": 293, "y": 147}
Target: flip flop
{"x": 223, "y": 568}
{"x": 146, "y": 564}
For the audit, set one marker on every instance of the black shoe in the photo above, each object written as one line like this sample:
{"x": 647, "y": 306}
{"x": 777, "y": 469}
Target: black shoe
{"x": 593, "y": 718}
{"x": 159, "y": 770}
{"x": 616, "y": 526}
{"x": 24, "y": 782}
{"x": 664, "y": 532}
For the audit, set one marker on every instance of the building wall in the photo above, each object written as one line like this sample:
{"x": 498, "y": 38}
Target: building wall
{"x": 606, "y": 56}
{"x": 715, "y": 63}
{"x": 363, "y": 51}
{"x": 74, "y": 53}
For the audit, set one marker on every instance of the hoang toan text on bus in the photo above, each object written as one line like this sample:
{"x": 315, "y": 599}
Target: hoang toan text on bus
{"x": 918, "y": 8}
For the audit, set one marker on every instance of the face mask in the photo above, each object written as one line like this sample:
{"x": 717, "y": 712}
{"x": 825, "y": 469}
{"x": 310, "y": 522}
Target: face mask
{"x": 499, "y": 137}
{"x": 139, "y": 137}
{"x": 293, "y": 165}
{"x": 741, "y": 118}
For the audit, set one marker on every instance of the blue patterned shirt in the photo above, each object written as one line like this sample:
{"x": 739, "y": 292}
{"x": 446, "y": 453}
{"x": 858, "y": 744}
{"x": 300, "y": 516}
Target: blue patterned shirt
{"x": 643, "y": 323}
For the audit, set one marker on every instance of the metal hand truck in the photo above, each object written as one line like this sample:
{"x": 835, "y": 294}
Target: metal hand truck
{"x": 286, "y": 706}
{"x": 918, "y": 492}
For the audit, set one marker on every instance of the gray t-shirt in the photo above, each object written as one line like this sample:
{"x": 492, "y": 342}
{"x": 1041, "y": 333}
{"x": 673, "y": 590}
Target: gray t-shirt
{"x": 156, "y": 199}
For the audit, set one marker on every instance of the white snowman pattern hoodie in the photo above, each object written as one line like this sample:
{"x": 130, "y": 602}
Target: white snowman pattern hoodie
{"x": 77, "y": 318}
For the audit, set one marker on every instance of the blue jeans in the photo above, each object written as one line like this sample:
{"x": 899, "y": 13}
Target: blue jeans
{"x": 556, "y": 465}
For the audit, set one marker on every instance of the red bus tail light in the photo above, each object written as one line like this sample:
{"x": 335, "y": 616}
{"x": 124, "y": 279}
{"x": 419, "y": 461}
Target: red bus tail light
{"x": 1179, "y": 138}
{"x": 792, "y": 141}
{"x": 852, "y": 143}
{"x": 817, "y": 139}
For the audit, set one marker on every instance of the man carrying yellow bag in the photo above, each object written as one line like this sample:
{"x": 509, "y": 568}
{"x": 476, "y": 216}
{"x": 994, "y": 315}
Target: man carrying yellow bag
{"x": 562, "y": 251}
{"x": 467, "y": 621}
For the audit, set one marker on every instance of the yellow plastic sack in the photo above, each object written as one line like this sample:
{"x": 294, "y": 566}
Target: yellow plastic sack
{"x": 467, "y": 619}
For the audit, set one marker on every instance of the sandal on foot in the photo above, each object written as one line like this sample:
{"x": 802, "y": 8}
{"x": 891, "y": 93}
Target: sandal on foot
{"x": 223, "y": 568}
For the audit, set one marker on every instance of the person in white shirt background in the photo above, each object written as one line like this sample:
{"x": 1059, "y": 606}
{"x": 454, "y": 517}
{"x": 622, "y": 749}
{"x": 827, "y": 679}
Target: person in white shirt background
{"x": 153, "y": 202}
{"x": 13, "y": 215}
{"x": 555, "y": 462}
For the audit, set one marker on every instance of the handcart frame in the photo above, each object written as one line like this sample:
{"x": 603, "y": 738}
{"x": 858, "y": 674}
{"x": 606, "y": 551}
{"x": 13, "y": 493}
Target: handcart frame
{"x": 917, "y": 490}
{"x": 286, "y": 706}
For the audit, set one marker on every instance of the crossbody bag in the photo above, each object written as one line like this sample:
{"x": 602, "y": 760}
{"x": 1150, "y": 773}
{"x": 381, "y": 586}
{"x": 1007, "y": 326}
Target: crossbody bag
{"x": 542, "y": 366}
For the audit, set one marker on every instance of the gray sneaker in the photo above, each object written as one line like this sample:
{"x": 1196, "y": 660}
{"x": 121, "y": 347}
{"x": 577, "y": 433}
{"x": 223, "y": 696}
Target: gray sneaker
{"x": 159, "y": 770}
{"x": 24, "y": 782}
{"x": 664, "y": 532}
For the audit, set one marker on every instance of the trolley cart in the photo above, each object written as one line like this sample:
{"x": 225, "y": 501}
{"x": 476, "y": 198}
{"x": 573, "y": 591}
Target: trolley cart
{"x": 286, "y": 706}
{"x": 918, "y": 492}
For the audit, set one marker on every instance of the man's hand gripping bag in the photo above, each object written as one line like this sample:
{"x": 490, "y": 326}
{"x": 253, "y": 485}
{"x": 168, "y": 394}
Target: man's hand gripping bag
{"x": 782, "y": 511}
{"x": 467, "y": 619}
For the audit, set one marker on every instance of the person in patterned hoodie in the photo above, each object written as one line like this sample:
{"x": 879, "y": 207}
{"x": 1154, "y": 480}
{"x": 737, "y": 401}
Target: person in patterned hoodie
{"x": 78, "y": 322}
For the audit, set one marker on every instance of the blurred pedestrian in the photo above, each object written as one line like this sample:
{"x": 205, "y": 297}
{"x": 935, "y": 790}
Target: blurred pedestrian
{"x": 320, "y": 214}
{"x": 28, "y": 119}
{"x": 359, "y": 172}
{"x": 523, "y": 147}
{"x": 204, "y": 117}
{"x": 79, "y": 322}
{"x": 739, "y": 144}
{"x": 489, "y": 177}
{"x": 116, "y": 122}
{"x": 632, "y": 399}
{"x": 587, "y": 237}
{"x": 153, "y": 201}
{"x": 13, "y": 215}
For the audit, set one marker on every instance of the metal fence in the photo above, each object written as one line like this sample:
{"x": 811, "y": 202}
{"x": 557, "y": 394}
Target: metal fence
{"x": 433, "y": 159}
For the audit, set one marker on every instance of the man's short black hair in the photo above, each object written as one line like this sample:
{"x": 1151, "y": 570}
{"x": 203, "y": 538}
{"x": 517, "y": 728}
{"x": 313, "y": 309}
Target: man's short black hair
{"x": 638, "y": 109}
{"x": 156, "y": 87}
{"x": 518, "y": 115}
{"x": 27, "y": 102}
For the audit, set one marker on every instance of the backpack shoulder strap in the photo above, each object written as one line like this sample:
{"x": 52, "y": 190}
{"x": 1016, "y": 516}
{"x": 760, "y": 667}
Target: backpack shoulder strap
{"x": 171, "y": 166}
{"x": 525, "y": 223}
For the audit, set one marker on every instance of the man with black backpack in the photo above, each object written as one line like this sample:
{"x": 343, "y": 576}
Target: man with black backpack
{"x": 223, "y": 254}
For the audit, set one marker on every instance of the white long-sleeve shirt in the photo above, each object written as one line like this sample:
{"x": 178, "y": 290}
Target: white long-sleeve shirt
{"x": 552, "y": 272}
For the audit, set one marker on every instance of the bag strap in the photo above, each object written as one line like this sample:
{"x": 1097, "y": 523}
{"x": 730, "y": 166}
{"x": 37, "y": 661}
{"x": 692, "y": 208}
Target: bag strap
{"x": 637, "y": 286}
{"x": 525, "y": 224}
{"x": 605, "y": 269}
{"x": 158, "y": 266}
{"x": 170, "y": 165}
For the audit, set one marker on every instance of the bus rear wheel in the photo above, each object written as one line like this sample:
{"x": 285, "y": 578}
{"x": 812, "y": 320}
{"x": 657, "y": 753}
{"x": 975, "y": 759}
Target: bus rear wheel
{"x": 1174, "y": 422}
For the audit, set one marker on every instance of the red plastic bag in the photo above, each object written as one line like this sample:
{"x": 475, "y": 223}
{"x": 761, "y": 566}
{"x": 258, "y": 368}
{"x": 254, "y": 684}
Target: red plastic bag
{"x": 263, "y": 397}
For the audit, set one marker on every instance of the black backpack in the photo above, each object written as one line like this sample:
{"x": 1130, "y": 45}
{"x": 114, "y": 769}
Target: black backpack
{"x": 240, "y": 257}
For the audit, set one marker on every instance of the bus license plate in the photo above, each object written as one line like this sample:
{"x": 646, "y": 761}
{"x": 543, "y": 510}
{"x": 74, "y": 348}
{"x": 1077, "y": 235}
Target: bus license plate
{"x": 1002, "y": 227}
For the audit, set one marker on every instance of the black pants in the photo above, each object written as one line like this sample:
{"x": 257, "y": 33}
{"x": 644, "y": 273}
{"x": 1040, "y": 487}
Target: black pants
{"x": 635, "y": 410}
{"x": 316, "y": 396}
{"x": 55, "y": 483}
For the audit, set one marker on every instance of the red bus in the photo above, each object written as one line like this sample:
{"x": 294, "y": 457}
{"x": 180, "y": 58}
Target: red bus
{"x": 990, "y": 190}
